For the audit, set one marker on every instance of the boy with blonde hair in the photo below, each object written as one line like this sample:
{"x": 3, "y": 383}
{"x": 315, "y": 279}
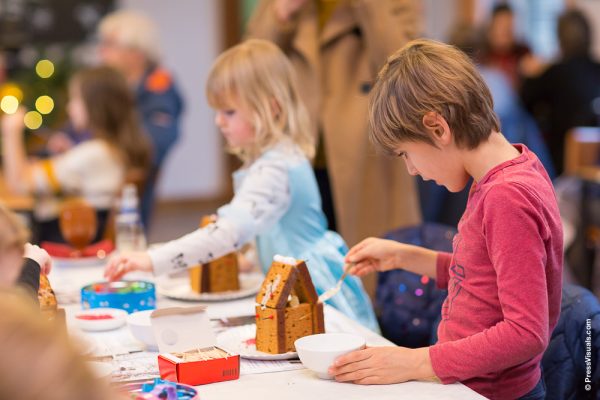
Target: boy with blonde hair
{"x": 431, "y": 107}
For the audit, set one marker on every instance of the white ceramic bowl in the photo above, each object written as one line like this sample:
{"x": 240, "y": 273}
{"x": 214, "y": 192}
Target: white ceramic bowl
{"x": 100, "y": 319}
{"x": 141, "y": 328}
{"x": 317, "y": 352}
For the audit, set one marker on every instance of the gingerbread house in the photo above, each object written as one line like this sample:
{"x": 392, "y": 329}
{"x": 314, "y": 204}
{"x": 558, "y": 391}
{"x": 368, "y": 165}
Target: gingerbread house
{"x": 219, "y": 275}
{"x": 287, "y": 307}
{"x": 48, "y": 304}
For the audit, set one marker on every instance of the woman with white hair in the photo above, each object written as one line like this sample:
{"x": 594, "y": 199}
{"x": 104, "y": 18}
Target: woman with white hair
{"x": 129, "y": 42}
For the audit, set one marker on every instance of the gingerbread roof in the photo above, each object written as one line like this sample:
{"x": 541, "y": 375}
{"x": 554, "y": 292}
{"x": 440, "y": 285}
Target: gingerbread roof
{"x": 284, "y": 279}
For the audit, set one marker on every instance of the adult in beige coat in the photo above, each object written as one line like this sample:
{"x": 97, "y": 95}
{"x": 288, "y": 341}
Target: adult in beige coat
{"x": 336, "y": 65}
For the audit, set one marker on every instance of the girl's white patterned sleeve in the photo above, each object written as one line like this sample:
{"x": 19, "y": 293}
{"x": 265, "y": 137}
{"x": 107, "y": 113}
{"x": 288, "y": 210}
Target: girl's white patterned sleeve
{"x": 261, "y": 200}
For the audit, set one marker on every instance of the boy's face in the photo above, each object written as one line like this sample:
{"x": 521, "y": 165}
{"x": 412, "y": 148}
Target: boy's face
{"x": 441, "y": 165}
{"x": 235, "y": 125}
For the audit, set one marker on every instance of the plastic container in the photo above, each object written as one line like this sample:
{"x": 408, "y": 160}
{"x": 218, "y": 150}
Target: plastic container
{"x": 129, "y": 230}
{"x": 130, "y": 296}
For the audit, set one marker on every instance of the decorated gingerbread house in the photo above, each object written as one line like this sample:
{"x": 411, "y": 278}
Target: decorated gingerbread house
{"x": 48, "y": 304}
{"x": 219, "y": 275}
{"x": 287, "y": 307}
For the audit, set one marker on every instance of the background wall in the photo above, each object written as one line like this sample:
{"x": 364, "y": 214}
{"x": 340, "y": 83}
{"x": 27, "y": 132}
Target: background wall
{"x": 191, "y": 39}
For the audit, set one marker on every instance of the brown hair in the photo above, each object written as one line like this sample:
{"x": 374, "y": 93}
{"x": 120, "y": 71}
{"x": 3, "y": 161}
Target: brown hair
{"x": 12, "y": 231}
{"x": 252, "y": 75}
{"x": 38, "y": 361}
{"x": 112, "y": 115}
{"x": 428, "y": 76}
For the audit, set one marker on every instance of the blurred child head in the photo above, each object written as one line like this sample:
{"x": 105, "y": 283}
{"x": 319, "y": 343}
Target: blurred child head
{"x": 253, "y": 88}
{"x": 574, "y": 34}
{"x": 101, "y": 101}
{"x": 428, "y": 91}
{"x": 38, "y": 362}
{"x": 500, "y": 35}
{"x": 13, "y": 237}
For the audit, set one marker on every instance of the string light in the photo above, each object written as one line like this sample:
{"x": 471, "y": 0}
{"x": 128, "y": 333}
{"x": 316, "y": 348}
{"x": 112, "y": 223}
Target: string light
{"x": 11, "y": 89}
{"x": 44, "y": 68}
{"x": 44, "y": 104}
{"x": 9, "y": 104}
{"x": 33, "y": 120}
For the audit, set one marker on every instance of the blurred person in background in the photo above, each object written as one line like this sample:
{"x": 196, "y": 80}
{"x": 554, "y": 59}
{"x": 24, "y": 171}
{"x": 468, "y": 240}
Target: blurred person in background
{"x": 99, "y": 102}
{"x": 501, "y": 50}
{"x": 563, "y": 96}
{"x": 129, "y": 42}
{"x": 337, "y": 48}
{"x": 21, "y": 263}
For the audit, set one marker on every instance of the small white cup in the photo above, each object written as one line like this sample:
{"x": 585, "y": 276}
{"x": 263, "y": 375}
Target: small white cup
{"x": 318, "y": 352}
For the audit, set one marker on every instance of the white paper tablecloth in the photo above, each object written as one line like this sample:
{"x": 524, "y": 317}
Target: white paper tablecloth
{"x": 298, "y": 384}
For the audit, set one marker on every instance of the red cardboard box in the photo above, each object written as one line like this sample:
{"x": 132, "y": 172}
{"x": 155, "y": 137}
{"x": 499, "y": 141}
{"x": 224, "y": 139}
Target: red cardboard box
{"x": 201, "y": 372}
{"x": 187, "y": 347}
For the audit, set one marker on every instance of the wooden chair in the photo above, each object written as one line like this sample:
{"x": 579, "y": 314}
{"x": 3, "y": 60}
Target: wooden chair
{"x": 582, "y": 159}
{"x": 582, "y": 152}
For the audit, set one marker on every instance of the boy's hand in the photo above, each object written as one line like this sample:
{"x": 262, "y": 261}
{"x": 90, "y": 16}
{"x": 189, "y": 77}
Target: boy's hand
{"x": 383, "y": 365}
{"x": 40, "y": 256}
{"x": 121, "y": 264}
{"x": 374, "y": 254}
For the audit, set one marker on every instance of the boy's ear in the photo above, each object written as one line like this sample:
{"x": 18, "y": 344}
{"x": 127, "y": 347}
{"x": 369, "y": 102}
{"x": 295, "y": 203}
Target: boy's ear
{"x": 437, "y": 128}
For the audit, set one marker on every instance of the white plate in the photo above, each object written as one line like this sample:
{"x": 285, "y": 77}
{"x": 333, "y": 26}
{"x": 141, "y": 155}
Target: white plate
{"x": 240, "y": 340}
{"x": 117, "y": 320}
{"x": 179, "y": 289}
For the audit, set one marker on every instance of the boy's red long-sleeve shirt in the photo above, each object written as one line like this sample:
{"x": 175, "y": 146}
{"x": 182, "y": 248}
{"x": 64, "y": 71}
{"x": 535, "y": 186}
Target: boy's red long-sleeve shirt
{"x": 504, "y": 282}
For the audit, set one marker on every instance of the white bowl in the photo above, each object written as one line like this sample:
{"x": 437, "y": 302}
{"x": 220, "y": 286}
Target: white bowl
{"x": 141, "y": 328}
{"x": 100, "y": 319}
{"x": 318, "y": 352}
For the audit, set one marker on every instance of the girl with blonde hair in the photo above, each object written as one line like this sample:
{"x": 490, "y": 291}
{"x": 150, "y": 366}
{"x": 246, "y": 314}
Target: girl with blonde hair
{"x": 253, "y": 89}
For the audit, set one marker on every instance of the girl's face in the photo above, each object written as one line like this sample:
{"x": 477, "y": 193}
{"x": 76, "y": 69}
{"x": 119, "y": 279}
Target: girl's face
{"x": 236, "y": 126}
{"x": 76, "y": 108}
{"x": 431, "y": 163}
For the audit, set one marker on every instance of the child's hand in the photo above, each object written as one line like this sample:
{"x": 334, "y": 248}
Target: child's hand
{"x": 13, "y": 124}
{"x": 40, "y": 256}
{"x": 121, "y": 264}
{"x": 383, "y": 365}
{"x": 374, "y": 254}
